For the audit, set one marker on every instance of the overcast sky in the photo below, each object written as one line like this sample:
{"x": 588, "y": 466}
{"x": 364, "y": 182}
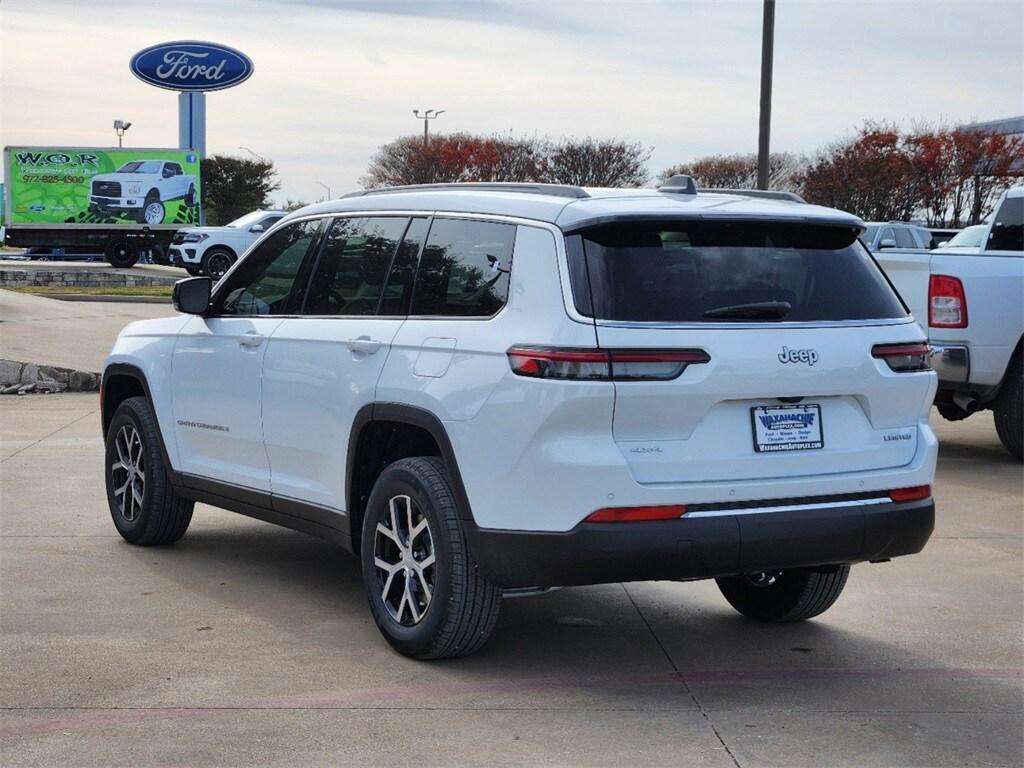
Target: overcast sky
{"x": 334, "y": 79}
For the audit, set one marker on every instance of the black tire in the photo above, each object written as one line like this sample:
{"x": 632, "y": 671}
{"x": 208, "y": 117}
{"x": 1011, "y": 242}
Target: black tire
{"x": 462, "y": 607}
{"x": 951, "y": 411}
{"x": 1008, "y": 409}
{"x": 217, "y": 261}
{"x": 781, "y": 596}
{"x": 121, "y": 254}
{"x": 158, "y": 515}
{"x": 194, "y": 270}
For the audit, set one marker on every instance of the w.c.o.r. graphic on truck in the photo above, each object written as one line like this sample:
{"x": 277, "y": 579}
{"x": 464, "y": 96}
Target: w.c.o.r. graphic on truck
{"x": 142, "y": 187}
{"x": 125, "y": 202}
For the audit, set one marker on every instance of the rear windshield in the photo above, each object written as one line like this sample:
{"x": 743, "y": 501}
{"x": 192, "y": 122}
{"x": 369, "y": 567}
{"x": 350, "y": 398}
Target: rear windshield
{"x": 687, "y": 271}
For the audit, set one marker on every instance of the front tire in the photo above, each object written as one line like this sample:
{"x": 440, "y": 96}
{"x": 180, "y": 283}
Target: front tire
{"x": 1008, "y": 409}
{"x": 217, "y": 261}
{"x": 426, "y": 593}
{"x": 143, "y": 504}
{"x": 784, "y": 596}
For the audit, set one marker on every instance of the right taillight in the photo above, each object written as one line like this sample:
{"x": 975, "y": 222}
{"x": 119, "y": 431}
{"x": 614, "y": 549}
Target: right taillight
{"x": 915, "y": 356}
{"x": 947, "y": 304}
{"x": 603, "y": 364}
{"x": 914, "y": 493}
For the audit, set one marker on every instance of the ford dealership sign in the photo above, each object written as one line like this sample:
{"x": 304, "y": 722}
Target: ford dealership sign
{"x": 189, "y": 65}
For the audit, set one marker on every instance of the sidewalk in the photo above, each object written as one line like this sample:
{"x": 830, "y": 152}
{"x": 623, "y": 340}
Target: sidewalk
{"x": 68, "y": 334}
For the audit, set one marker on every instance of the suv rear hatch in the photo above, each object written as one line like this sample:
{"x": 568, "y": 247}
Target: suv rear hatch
{"x": 812, "y": 365}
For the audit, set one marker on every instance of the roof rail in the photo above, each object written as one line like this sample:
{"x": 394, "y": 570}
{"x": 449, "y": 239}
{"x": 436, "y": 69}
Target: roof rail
{"x": 768, "y": 194}
{"x": 555, "y": 190}
{"x": 680, "y": 184}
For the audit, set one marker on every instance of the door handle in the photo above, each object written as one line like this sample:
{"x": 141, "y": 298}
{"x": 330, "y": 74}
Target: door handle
{"x": 251, "y": 339}
{"x": 363, "y": 344}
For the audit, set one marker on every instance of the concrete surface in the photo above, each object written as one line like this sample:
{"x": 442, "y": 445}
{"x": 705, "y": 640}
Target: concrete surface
{"x": 77, "y": 335}
{"x": 246, "y": 644}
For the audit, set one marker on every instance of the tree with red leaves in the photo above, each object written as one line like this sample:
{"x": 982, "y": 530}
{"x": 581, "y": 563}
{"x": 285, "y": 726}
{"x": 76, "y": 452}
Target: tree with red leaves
{"x": 739, "y": 171}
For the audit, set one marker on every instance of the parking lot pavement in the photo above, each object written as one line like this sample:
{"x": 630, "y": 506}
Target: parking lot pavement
{"x": 69, "y": 334}
{"x": 248, "y": 644}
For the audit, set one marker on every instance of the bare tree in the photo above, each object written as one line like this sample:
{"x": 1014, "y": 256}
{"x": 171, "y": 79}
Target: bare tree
{"x": 596, "y": 163}
{"x": 739, "y": 171}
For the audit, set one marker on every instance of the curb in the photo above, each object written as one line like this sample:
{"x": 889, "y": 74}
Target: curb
{"x": 17, "y": 378}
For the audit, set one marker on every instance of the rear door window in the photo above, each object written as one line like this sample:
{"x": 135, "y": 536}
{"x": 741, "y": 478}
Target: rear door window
{"x": 1008, "y": 227}
{"x": 700, "y": 271}
{"x": 464, "y": 270}
{"x": 904, "y": 239}
{"x": 353, "y": 265}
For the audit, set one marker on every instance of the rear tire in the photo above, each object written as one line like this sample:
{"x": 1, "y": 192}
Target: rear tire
{"x": 143, "y": 504}
{"x": 783, "y": 596}
{"x": 425, "y": 591}
{"x": 121, "y": 254}
{"x": 1008, "y": 409}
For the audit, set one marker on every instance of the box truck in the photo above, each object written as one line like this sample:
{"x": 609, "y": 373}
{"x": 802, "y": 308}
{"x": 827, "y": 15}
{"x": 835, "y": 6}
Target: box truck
{"x": 122, "y": 201}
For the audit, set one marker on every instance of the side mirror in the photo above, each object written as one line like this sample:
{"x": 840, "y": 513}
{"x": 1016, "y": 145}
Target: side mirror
{"x": 256, "y": 228}
{"x": 192, "y": 295}
{"x": 887, "y": 243}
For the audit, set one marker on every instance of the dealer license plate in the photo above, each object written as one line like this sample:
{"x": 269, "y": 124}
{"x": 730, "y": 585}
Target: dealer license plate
{"x": 787, "y": 427}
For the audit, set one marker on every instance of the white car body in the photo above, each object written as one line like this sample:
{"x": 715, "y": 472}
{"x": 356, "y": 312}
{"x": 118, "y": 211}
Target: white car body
{"x": 284, "y": 416}
{"x": 190, "y": 244}
{"x": 141, "y": 186}
{"x": 972, "y": 360}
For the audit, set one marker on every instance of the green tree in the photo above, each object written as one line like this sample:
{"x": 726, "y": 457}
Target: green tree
{"x": 233, "y": 186}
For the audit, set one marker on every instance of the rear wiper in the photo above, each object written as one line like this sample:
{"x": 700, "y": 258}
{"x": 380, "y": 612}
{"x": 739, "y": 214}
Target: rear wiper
{"x": 758, "y": 310}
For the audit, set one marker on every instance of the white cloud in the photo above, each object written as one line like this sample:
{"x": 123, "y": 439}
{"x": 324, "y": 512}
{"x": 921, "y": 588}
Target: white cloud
{"x": 334, "y": 80}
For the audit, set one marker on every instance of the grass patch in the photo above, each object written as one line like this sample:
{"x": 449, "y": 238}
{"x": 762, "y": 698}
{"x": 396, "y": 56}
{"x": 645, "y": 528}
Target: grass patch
{"x": 95, "y": 290}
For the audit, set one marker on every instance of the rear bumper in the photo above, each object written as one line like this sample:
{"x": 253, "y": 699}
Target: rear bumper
{"x": 952, "y": 363}
{"x": 703, "y": 547}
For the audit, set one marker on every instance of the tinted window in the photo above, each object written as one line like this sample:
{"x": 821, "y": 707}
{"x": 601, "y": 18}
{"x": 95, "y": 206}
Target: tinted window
{"x": 262, "y": 283}
{"x": 398, "y": 290}
{"x": 904, "y": 239}
{"x": 677, "y": 271}
{"x": 1008, "y": 227}
{"x": 886, "y": 234}
{"x": 464, "y": 269}
{"x": 353, "y": 264}
{"x": 270, "y": 221}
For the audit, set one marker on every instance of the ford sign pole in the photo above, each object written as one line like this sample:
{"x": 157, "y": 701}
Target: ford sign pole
{"x": 191, "y": 67}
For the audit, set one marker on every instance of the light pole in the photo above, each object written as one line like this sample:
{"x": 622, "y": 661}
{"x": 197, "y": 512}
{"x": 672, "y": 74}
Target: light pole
{"x": 329, "y": 195}
{"x": 426, "y": 117}
{"x": 120, "y": 126}
{"x": 259, "y": 157}
{"x": 767, "y": 50}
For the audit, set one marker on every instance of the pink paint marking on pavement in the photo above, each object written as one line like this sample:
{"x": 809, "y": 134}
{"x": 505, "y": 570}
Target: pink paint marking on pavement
{"x": 368, "y": 697}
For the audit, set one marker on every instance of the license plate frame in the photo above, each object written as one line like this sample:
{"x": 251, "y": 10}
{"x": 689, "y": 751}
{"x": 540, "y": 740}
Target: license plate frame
{"x": 788, "y": 434}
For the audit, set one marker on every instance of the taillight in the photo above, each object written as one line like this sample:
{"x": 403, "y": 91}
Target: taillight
{"x": 603, "y": 364}
{"x": 904, "y": 357}
{"x": 947, "y": 304}
{"x": 916, "y": 493}
{"x": 636, "y": 514}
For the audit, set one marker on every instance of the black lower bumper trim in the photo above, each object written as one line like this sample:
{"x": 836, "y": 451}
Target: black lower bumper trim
{"x": 702, "y": 547}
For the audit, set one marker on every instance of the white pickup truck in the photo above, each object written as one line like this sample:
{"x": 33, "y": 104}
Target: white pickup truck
{"x": 971, "y": 305}
{"x": 142, "y": 187}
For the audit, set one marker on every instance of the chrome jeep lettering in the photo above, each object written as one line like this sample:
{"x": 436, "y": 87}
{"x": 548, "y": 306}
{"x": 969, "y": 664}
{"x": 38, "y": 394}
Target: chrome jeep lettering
{"x": 808, "y": 356}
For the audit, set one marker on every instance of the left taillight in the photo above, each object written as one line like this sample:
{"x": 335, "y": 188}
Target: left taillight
{"x": 603, "y": 364}
{"x": 915, "y": 356}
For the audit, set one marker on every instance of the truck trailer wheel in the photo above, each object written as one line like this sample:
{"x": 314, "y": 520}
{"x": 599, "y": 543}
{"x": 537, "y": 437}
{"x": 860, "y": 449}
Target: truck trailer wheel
{"x": 1008, "y": 409}
{"x": 121, "y": 254}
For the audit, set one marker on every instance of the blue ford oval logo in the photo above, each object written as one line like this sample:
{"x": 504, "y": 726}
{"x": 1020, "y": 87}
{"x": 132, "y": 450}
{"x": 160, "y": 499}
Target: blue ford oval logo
{"x": 190, "y": 65}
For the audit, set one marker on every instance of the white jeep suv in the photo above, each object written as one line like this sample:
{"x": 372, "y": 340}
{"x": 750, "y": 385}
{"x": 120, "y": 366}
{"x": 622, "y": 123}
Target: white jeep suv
{"x": 212, "y": 250}
{"x": 481, "y": 389}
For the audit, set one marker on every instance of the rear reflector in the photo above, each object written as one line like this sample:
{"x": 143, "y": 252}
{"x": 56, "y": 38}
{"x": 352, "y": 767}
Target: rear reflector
{"x": 636, "y": 514}
{"x": 603, "y": 364}
{"x": 916, "y": 493}
{"x": 947, "y": 304}
{"x": 915, "y": 356}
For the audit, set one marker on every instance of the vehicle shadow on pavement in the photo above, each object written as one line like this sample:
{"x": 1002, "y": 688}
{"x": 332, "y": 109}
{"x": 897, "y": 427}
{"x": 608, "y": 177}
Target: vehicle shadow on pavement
{"x": 662, "y": 645}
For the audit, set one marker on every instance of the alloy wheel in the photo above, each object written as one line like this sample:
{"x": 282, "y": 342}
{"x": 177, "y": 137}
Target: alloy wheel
{"x": 219, "y": 264}
{"x": 154, "y": 213}
{"x": 403, "y": 555}
{"x": 128, "y": 473}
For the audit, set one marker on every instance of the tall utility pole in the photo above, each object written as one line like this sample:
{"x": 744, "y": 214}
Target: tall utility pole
{"x": 426, "y": 117}
{"x": 767, "y": 50}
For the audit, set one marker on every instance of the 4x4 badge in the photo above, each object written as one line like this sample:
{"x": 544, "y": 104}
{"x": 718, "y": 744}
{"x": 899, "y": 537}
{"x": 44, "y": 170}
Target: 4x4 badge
{"x": 809, "y": 356}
